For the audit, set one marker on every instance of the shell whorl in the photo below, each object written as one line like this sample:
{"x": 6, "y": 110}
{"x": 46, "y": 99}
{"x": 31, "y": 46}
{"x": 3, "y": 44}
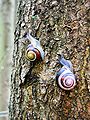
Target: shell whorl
{"x": 36, "y": 44}
{"x": 65, "y": 76}
{"x": 32, "y": 53}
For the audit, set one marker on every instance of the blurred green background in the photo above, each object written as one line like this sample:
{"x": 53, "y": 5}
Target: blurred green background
{"x": 7, "y": 26}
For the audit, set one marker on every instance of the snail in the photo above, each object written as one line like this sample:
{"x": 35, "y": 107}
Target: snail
{"x": 34, "y": 50}
{"x": 65, "y": 77}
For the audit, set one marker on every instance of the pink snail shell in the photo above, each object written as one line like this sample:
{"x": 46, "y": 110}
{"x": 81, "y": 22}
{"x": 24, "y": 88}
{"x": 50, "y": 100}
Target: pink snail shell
{"x": 65, "y": 76}
{"x": 67, "y": 83}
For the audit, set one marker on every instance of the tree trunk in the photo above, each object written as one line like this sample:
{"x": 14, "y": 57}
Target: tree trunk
{"x": 62, "y": 26}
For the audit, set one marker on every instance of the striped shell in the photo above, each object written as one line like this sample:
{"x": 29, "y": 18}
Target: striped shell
{"x": 65, "y": 77}
{"x": 32, "y": 53}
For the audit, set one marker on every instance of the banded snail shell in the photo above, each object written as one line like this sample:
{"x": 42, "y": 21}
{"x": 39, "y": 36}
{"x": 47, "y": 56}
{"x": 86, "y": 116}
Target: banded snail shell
{"x": 66, "y": 79}
{"x": 32, "y": 53}
{"x": 67, "y": 83}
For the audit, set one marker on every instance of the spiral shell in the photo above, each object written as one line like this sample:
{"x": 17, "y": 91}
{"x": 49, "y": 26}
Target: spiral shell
{"x": 35, "y": 46}
{"x": 32, "y": 53}
{"x": 65, "y": 77}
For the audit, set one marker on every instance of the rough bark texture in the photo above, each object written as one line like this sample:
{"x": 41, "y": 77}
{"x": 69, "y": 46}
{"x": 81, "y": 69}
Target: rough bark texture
{"x": 61, "y": 26}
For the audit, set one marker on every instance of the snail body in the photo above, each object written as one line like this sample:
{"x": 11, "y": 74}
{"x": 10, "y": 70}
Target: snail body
{"x": 65, "y": 77}
{"x": 34, "y": 50}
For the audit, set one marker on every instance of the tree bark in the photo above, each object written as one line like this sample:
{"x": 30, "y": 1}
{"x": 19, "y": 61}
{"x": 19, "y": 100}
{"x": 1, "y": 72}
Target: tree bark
{"x": 62, "y": 26}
